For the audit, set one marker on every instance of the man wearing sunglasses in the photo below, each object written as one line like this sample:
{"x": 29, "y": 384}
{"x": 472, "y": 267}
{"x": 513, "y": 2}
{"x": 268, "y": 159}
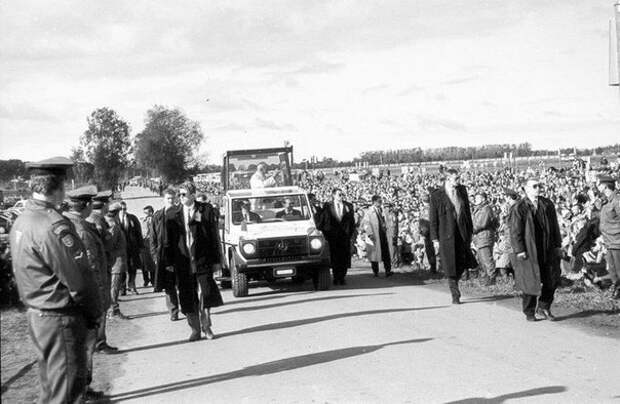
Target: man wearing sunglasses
{"x": 536, "y": 241}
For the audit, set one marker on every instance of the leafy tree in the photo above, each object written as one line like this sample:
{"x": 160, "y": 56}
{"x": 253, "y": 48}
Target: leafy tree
{"x": 83, "y": 172}
{"x": 10, "y": 169}
{"x": 169, "y": 143}
{"x": 105, "y": 145}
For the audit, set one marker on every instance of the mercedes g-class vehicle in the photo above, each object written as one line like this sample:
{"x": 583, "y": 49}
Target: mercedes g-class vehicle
{"x": 268, "y": 230}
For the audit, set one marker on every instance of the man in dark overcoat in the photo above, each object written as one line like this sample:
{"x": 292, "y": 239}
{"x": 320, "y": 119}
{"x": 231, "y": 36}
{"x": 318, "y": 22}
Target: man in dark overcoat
{"x": 536, "y": 241}
{"x": 337, "y": 222}
{"x": 451, "y": 230}
{"x": 200, "y": 251}
{"x": 172, "y": 272}
{"x": 130, "y": 224}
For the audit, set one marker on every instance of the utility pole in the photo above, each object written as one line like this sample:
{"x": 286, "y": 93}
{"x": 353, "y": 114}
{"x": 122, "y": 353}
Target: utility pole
{"x": 614, "y": 47}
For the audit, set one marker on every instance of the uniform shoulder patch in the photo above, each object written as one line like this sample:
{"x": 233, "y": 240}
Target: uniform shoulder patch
{"x": 68, "y": 240}
{"x": 60, "y": 227}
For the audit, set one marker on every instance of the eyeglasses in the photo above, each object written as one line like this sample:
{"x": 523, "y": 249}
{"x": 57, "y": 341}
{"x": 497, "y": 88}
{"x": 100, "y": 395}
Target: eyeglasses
{"x": 536, "y": 186}
{"x": 182, "y": 193}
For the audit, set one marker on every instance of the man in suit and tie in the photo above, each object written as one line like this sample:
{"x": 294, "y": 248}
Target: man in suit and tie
{"x": 378, "y": 249}
{"x": 173, "y": 274}
{"x": 130, "y": 225}
{"x": 338, "y": 224}
{"x": 451, "y": 230}
{"x": 246, "y": 215}
{"x": 201, "y": 252}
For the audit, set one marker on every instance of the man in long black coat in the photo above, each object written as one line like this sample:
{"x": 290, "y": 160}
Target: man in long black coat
{"x": 536, "y": 241}
{"x": 132, "y": 228}
{"x": 338, "y": 224}
{"x": 451, "y": 230}
{"x": 200, "y": 251}
{"x": 173, "y": 273}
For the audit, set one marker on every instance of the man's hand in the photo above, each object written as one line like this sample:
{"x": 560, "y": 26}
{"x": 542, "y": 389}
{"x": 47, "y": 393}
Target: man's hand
{"x": 170, "y": 268}
{"x": 522, "y": 256}
{"x": 436, "y": 245}
{"x": 371, "y": 237}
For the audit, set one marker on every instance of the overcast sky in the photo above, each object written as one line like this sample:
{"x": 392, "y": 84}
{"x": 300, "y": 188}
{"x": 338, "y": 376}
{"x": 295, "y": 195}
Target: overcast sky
{"x": 334, "y": 78}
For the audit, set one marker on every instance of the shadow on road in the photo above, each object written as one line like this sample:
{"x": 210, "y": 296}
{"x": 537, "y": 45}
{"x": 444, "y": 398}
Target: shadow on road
{"x": 520, "y": 394}
{"x": 156, "y": 296}
{"x": 284, "y": 324}
{"x": 588, "y": 313}
{"x": 157, "y": 313}
{"x": 486, "y": 299}
{"x": 282, "y": 365}
{"x": 17, "y": 375}
{"x": 272, "y": 305}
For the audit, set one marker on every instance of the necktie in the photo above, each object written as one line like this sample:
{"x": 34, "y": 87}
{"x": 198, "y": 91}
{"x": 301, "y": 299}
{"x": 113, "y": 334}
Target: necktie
{"x": 455, "y": 201}
{"x": 188, "y": 236}
{"x": 339, "y": 210}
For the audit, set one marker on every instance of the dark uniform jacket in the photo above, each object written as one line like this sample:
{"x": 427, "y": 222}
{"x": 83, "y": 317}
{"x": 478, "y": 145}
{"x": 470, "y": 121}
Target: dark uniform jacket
{"x": 118, "y": 248}
{"x": 444, "y": 226}
{"x": 528, "y": 272}
{"x": 51, "y": 264}
{"x": 95, "y": 253}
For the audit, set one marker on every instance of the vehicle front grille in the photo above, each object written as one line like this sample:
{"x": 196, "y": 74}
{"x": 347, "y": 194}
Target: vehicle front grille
{"x": 282, "y": 247}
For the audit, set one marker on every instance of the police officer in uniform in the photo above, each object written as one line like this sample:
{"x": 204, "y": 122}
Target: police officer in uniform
{"x": 56, "y": 285}
{"x": 80, "y": 207}
{"x": 97, "y": 218}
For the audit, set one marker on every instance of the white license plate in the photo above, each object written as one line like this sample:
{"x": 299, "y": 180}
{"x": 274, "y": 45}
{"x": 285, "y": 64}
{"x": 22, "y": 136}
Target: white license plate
{"x": 285, "y": 271}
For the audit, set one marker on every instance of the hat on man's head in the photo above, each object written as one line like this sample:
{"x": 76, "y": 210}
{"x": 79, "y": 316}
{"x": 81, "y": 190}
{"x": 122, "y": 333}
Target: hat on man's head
{"x": 85, "y": 193}
{"x": 103, "y": 196}
{"x": 114, "y": 208}
{"x": 52, "y": 166}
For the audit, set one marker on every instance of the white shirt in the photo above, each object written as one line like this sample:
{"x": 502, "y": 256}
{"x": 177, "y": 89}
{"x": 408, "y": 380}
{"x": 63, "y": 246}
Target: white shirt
{"x": 258, "y": 180}
{"x": 188, "y": 211}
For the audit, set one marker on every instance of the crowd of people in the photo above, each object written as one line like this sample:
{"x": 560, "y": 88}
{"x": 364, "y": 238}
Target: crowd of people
{"x": 535, "y": 224}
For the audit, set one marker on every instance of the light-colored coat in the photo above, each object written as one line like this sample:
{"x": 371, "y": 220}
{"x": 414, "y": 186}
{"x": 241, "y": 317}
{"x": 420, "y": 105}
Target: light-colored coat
{"x": 370, "y": 224}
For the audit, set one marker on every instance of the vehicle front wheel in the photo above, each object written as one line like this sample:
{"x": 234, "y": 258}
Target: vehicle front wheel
{"x": 324, "y": 278}
{"x": 239, "y": 280}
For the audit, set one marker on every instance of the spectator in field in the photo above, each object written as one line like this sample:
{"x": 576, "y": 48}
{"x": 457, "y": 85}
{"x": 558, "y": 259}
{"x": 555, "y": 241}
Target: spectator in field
{"x": 610, "y": 230}
{"x": 485, "y": 224}
{"x": 536, "y": 241}
{"x": 451, "y": 230}
{"x": 375, "y": 227}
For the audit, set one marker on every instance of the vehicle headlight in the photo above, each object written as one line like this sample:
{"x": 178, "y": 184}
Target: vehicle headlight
{"x": 316, "y": 243}
{"x": 249, "y": 249}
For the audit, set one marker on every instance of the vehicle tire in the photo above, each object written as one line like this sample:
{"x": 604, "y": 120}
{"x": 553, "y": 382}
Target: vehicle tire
{"x": 324, "y": 278}
{"x": 239, "y": 280}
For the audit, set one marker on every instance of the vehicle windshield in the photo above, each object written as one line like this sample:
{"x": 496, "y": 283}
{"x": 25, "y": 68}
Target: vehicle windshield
{"x": 257, "y": 169}
{"x": 267, "y": 209}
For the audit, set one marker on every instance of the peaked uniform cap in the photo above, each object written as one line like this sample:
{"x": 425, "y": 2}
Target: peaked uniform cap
{"x": 51, "y": 166}
{"x": 85, "y": 193}
{"x": 103, "y": 196}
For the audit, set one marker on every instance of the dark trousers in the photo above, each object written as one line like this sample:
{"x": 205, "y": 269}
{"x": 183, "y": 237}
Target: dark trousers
{"x": 429, "y": 250}
{"x": 148, "y": 265}
{"x": 387, "y": 265}
{"x": 182, "y": 291}
{"x": 546, "y": 294}
{"x": 453, "y": 284}
{"x": 60, "y": 344}
{"x": 133, "y": 263}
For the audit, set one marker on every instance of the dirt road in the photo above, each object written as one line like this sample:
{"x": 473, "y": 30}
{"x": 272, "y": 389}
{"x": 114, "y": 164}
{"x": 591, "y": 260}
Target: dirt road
{"x": 373, "y": 340}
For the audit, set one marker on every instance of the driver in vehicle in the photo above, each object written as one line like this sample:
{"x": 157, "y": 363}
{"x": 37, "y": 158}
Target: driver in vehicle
{"x": 246, "y": 214}
{"x": 288, "y": 212}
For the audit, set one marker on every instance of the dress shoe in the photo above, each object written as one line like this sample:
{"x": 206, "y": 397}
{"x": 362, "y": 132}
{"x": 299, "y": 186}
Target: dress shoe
{"x": 531, "y": 317}
{"x": 118, "y": 315}
{"x": 376, "y": 275}
{"x": 388, "y": 274}
{"x": 456, "y": 300}
{"x": 546, "y": 314}
{"x": 135, "y": 291}
{"x": 174, "y": 317}
{"x": 94, "y": 394}
{"x": 106, "y": 349}
{"x": 209, "y": 333}
{"x": 123, "y": 293}
{"x": 343, "y": 282}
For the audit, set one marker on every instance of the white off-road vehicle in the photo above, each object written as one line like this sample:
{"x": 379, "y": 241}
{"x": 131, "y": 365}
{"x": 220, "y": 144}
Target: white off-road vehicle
{"x": 268, "y": 232}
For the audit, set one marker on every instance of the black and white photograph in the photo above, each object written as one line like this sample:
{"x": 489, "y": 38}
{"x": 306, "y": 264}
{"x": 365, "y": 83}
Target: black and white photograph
{"x": 310, "y": 201}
